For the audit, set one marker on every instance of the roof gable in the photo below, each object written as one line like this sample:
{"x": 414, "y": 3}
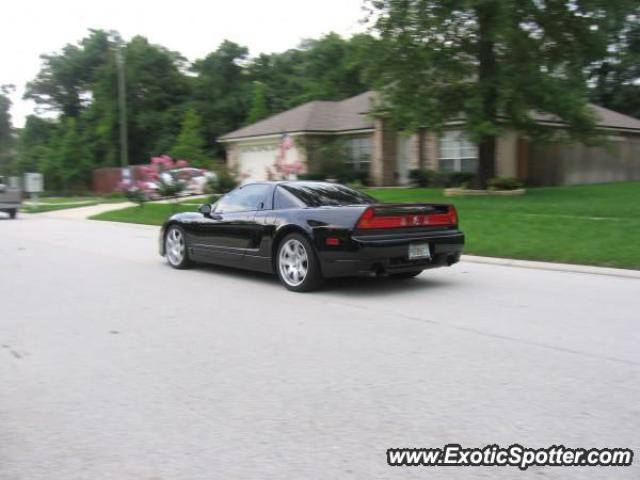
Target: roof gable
{"x": 316, "y": 116}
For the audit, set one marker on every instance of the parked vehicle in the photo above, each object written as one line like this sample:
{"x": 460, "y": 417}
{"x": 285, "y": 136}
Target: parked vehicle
{"x": 10, "y": 197}
{"x": 196, "y": 179}
{"x": 308, "y": 231}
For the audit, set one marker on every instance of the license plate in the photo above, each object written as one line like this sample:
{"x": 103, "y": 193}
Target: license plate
{"x": 419, "y": 250}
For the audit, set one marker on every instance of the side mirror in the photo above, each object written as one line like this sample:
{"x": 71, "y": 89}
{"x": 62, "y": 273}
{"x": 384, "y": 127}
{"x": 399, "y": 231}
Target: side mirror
{"x": 205, "y": 209}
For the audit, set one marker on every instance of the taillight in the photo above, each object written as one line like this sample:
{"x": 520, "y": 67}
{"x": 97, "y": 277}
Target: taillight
{"x": 369, "y": 219}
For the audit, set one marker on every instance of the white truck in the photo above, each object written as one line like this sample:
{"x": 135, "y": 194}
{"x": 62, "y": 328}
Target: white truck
{"x": 10, "y": 195}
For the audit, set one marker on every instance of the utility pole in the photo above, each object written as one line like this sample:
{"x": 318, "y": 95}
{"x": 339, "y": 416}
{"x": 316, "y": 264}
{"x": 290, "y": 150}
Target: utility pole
{"x": 122, "y": 106}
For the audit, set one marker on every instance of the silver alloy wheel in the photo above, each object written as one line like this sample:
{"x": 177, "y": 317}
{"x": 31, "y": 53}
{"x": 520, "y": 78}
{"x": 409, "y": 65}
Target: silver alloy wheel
{"x": 175, "y": 247}
{"x": 293, "y": 262}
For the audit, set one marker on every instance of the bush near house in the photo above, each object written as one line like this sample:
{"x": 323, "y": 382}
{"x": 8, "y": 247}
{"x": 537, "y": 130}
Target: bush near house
{"x": 504, "y": 183}
{"x": 431, "y": 178}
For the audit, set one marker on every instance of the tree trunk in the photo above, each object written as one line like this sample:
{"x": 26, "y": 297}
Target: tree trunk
{"x": 486, "y": 14}
{"x": 486, "y": 161}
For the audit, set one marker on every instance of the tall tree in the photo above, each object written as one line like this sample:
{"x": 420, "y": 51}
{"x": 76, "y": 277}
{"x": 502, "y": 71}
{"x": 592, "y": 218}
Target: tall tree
{"x": 617, "y": 78}
{"x": 34, "y": 145}
{"x": 259, "y": 108}
{"x": 6, "y": 129}
{"x": 191, "y": 144}
{"x": 65, "y": 80}
{"x": 157, "y": 92}
{"x": 221, "y": 91}
{"x": 491, "y": 63}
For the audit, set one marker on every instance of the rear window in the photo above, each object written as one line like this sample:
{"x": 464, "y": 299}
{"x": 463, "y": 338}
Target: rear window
{"x": 327, "y": 194}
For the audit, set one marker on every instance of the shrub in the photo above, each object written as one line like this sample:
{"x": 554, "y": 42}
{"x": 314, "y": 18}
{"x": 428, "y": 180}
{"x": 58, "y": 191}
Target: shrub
{"x": 422, "y": 177}
{"x": 504, "y": 183}
{"x": 222, "y": 183}
{"x": 353, "y": 176}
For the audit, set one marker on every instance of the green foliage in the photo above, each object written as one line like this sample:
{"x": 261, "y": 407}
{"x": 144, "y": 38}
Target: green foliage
{"x": 422, "y": 177}
{"x": 430, "y": 178}
{"x": 617, "y": 78}
{"x": 505, "y": 183}
{"x": 491, "y": 63}
{"x": 191, "y": 143}
{"x": 136, "y": 195}
{"x": 172, "y": 106}
{"x": 66, "y": 77}
{"x": 7, "y": 140}
{"x": 258, "y": 103}
{"x": 69, "y": 165}
{"x": 223, "y": 182}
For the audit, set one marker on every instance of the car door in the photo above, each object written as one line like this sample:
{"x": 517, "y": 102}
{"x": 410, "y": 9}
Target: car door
{"x": 230, "y": 230}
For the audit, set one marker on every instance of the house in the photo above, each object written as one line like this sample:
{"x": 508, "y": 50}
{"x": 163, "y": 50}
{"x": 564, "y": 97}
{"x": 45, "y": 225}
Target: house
{"x": 370, "y": 146}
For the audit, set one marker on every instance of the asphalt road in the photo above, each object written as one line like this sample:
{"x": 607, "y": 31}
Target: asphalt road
{"x": 115, "y": 366}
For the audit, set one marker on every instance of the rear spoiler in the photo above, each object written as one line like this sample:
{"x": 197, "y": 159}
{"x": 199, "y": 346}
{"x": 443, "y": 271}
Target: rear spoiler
{"x": 403, "y": 215}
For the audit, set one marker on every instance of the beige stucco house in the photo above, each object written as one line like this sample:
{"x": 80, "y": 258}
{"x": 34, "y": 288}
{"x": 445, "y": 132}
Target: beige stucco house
{"x": 371, "y": 145}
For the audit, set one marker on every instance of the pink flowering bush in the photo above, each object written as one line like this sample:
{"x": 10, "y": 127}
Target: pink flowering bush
{"x": 151, "y": 183}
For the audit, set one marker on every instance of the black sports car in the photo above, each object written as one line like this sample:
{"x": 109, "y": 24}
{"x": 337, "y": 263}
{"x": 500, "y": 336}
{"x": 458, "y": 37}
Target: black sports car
{"x": 308, "y": 231}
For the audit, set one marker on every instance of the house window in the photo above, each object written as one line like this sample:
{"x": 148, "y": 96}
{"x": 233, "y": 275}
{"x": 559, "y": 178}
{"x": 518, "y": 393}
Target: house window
{"x": 457, "y": 152}
{"x": 358, "y": 154}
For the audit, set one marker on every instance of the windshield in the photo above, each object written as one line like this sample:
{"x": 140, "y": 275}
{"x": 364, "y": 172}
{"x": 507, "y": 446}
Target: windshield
{"x": 318, "y": 194}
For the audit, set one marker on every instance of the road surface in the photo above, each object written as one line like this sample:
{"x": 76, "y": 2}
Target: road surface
{"x": 115, "y": 366}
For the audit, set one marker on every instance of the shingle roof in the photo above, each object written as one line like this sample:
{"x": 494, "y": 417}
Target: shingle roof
{"x": 318, "y": 116}
{"x": 605, "y": 118}
{"x": 351, "y": 114}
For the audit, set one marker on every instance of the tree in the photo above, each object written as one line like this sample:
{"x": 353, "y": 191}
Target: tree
{"x": 491, "y": 63}
{"x": 65, "y": 80}
{"x": 617, "y": 78}
{"x": 157, "y": 92}
{"x": 258, "y": 103}
{"x": 70, "y": 164}
{"x": 190, "y": 144}
{"x": 7, "y": 140}
{"x": 34, "y": 145}
{"x": 221, "y": 91}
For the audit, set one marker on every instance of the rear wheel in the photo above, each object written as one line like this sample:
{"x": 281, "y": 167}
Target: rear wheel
{"x": 12, "y": 213}
{"x": 175, "y": 247}
{"x": 412, "y": 274}
{"x": 297, "y": 264}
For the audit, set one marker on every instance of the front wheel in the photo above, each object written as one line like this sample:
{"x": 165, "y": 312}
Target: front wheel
{"x": 12, "y": 213}
{"x": 175, "y": 247}
{"x": 297, "y": 264}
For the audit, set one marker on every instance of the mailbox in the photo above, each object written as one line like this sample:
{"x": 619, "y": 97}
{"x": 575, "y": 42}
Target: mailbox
{"x": 33, "y": 183}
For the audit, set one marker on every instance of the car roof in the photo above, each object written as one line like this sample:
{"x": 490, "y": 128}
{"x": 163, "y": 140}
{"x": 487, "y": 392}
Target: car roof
{"x": 290, "y": 182}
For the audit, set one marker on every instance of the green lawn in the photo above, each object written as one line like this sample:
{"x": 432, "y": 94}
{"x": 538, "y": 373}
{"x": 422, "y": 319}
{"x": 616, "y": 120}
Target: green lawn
{"x": 586, "y": 224}
{"x": 590, "y": 224}
{"x": 48, "y": 204}
{"x": 148, "y": 214}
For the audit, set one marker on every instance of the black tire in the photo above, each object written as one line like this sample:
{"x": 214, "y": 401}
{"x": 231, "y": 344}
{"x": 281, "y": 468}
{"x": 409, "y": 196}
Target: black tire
{"x": 402, "y": 275}
{"x": 177, "y": 256}
{"x": 312, "y": 278}
{"x": 13, "y": 213}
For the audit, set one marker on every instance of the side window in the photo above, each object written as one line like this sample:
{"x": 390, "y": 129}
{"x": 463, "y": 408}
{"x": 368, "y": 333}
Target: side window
{"x": 245, "y": 199}
{"x": 283, "y": 199}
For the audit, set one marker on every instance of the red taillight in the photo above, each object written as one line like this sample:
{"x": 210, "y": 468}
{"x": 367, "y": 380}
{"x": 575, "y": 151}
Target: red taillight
{"x": 370, "y": 220}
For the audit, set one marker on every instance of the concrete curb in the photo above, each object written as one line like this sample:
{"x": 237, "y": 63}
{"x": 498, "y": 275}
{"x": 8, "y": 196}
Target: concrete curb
{"x": 559, "y": 267}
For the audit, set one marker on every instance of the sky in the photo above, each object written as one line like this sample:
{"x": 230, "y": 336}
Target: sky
{"x": 191, "y": 27}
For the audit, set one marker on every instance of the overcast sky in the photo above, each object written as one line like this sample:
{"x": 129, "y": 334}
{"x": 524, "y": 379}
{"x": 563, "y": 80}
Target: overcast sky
{"x": 192, "y": 27}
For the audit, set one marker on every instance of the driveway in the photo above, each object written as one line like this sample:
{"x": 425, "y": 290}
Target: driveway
{"x": 115, "y": 366}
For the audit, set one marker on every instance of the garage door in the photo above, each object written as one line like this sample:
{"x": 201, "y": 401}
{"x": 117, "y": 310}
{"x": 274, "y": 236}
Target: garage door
{"x": 254, "y": 160}
{"x": 253, "y": 164}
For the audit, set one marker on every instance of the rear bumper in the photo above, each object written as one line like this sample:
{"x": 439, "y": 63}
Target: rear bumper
{"x": 388, "y": 254}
